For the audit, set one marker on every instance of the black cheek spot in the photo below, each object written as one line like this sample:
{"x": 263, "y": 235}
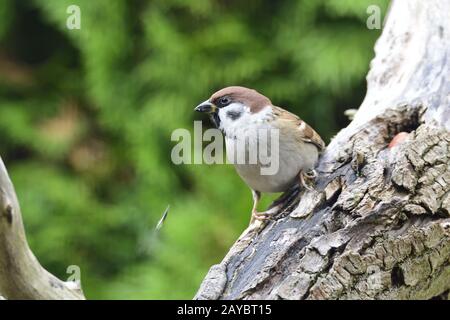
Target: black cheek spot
{"x": 234, "y": 115}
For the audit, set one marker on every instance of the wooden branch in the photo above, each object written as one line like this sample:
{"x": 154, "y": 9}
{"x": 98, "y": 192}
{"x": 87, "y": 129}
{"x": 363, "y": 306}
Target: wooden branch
{"x": 21, "y": 275}
{"x": 378, "y": 224}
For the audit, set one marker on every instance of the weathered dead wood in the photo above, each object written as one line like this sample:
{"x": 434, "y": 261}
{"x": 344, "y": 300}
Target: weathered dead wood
{"x": 21, "y": 275}
{"x": 378, "y": 224}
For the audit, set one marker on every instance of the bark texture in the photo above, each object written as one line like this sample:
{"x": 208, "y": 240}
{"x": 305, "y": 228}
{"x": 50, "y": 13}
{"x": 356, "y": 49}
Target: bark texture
{"x": 377, "y": 225}
{"x": 21, "y": 275}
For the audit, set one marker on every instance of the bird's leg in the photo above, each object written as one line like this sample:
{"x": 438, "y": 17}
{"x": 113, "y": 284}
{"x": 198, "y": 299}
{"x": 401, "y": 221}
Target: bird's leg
{"x": 255, "y": 214}
{"x": 307, "y": 179}
{"x": 256, "y": 197}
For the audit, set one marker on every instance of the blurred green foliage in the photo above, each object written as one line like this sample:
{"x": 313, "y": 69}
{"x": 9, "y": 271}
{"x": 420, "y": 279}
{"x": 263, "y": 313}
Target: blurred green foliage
{"x": 86, "y": 118}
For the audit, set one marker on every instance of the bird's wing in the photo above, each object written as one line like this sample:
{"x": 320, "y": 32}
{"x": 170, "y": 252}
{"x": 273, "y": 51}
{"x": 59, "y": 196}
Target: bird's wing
{"x": 303, "y": 131}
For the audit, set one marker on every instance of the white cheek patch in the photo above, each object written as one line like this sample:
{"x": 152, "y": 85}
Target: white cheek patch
{"x": 237, "y": 112}
{"x": 233, "y": 126}
{"x": 232, "y": 114}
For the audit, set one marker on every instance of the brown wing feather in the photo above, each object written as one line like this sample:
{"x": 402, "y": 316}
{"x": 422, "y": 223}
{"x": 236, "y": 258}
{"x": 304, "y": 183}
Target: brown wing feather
{"x": 305, "y": 132}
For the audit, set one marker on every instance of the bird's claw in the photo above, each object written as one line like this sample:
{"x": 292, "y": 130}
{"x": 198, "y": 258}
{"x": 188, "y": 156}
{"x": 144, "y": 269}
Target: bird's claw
{"x": 311, "y": 174}
{"x": 307, "y": 179}
{"x": 262, "y": 216}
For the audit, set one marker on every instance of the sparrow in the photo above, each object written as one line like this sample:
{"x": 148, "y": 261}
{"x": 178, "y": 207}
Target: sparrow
{"x": 239, "y": 112}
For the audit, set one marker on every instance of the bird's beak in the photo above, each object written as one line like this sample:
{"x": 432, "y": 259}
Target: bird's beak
{"x": 206, "y": 106}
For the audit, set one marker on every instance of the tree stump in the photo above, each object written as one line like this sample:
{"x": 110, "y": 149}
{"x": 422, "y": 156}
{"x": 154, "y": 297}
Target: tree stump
{"x": 377, "y": 225}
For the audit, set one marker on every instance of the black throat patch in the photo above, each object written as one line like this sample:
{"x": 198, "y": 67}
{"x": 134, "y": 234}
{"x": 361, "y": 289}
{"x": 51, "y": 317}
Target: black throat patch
{"x": 215, "y": 119}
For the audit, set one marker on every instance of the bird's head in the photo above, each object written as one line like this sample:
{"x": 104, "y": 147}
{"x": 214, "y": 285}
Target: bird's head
{"x": 231, "y": 103}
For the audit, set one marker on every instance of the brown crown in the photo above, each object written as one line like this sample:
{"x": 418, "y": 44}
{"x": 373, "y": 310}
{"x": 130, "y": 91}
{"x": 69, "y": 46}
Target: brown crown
{"x": 249, "y": 97}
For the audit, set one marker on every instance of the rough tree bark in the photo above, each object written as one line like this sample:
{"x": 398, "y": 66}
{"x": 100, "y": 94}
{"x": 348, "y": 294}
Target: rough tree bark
{"x": 378, "y": 224}
{"x": 21, "y": 275}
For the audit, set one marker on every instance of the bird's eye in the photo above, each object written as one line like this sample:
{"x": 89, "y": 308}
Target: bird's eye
{"x": 224, "y": 101}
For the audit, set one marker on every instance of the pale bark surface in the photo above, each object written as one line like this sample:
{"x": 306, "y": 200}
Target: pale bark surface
{"x": 378, "y": 224}
{"x": 21, "y": 275}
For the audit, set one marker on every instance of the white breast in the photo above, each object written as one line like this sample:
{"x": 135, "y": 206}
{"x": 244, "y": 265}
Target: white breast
{"x": 293, "y": 156}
